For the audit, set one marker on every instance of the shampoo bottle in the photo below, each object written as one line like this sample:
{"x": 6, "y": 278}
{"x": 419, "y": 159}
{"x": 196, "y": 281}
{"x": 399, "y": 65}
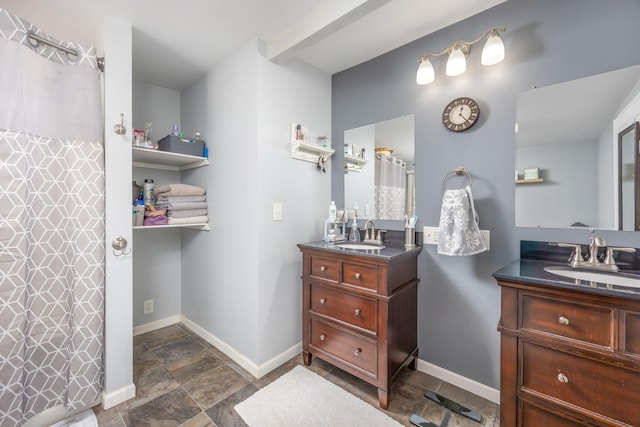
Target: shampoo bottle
{"x": 333, "y": 211}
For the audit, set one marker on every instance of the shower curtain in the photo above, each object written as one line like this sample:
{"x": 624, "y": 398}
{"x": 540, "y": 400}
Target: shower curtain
{"x": 390, "y": 187}
{"x": 51, "y": 225}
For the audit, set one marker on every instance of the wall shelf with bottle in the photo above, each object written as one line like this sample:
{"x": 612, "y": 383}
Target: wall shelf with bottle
{"x": 354, "y": 163}
{"x": 155, "y": 159}
{"x": 529, "y": 181}
{"x": 303, "y": 149}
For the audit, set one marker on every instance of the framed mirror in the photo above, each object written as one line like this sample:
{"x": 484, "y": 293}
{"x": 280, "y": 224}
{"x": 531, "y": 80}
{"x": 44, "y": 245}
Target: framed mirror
{"x": 628, "y": 188}
{"x": 569, "y": 133}
{"x": 382, "y": 187}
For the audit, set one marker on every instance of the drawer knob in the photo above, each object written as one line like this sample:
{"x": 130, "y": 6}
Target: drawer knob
{"x": 357, "y": 275}
{"x": 356, "y": 312}
{"x": 323, "y": 337}
{"x": 563, "y": 378}
{"x": 563, "y": 320}
{"x": 357, "y": 352}
{"x": 323, "y": 300}
{"x": 323, "y": 268}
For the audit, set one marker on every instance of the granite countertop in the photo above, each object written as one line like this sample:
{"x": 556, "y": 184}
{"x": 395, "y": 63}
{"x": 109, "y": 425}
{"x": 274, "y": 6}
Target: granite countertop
{"x": 532, "y": 271}
{"x": 389, "y": 252}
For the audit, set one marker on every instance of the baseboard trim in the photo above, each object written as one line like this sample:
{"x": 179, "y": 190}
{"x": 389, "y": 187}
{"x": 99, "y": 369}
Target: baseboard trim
{"x": 109, "y": 400}
{"x": 261, "y": 370}
{"x": 458, "y": 380}
{"x": 152, "y": 326}
{"x": 254, "y": 369}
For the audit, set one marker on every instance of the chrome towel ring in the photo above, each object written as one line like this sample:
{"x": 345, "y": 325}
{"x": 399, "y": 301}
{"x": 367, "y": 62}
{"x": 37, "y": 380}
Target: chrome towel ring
{"x": 460, "y": 170}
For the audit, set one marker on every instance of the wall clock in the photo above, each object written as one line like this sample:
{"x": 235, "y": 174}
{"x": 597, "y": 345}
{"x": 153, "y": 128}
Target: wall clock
{"x": 460, "y": 114}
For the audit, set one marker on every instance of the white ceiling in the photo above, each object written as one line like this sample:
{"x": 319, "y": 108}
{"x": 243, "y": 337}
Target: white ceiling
{"x": 175, "y": 42}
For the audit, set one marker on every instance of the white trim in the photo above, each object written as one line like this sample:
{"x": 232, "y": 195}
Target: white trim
{"x": 158, "y": 324}
{"x": 258, "y": 371}
{"x": 458, "y": 380}
{"x": 109, "y": 400}
{"x": 254, "y": 369}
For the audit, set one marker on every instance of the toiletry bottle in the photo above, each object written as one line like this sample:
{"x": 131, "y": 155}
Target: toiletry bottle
{"x": 175, "y": 131}
{"x": 299, "y": 135}
{"x": 149, "y": 193}
{"x": 333, "y": 211}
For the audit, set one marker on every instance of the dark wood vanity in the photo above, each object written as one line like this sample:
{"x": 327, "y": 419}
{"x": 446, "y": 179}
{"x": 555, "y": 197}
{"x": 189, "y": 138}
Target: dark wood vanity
{"x": 359, "y": 311}
{"x": 570, "y": 353}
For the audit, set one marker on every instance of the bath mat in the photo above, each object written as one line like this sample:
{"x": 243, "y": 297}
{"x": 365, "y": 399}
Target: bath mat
{"x": 303, "y": 398}
{"x": 83, "y": 419}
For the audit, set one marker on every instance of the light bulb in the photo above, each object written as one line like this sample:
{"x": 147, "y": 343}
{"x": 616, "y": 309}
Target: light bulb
{"x": 493, "y": 51}
{"x": 425, "y": 74}
{"x": 456, "y": 64}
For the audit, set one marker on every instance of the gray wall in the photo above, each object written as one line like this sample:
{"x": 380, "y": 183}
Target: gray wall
{"x": 241, "y": 280}
{"x": 156, "y": 253}
{"x": 547, "y": 41}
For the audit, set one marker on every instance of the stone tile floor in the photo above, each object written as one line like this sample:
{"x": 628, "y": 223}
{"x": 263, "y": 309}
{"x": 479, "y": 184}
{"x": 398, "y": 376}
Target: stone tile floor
{"x": 181, "y": 380}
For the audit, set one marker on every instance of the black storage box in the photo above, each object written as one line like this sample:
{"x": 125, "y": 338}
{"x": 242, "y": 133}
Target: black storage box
{"x": 175, "y": 144}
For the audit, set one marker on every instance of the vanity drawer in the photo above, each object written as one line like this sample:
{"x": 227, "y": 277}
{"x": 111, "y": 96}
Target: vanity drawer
{"x": 588, "y": 323}
{"x": 353, "y": 309}
{"x": 594, "y": 387}
{"x": 351, "y": 348}
{"x": 324, "y": 268}
{"x": 362, "y": 276}
{"x": 532, "y": 416}
{"x": 630, "y": 345}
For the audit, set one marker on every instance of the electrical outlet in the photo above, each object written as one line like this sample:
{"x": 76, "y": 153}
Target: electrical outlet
{"x": 430, "y": 235}
{"x": 485, "y": 238}
{"x": 277, "y": 211}
{"x": 366, "y": 209}
{"x": 148, "y": 306}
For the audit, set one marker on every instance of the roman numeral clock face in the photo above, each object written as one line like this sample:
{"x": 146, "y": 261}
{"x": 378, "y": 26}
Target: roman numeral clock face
{"x": 460, "y": 114}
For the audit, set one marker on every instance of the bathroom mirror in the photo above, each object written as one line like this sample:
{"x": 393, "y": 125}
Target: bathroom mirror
{"x": 628, "y": 179}
{"x": 569, "y": 133}
{"x": 384, "y": 186}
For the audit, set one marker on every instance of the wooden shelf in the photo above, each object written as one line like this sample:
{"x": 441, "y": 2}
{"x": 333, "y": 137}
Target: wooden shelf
{"x": 194, "y": 226}
{"x": 529, "y": 181}
{"x": 154, "y": 159}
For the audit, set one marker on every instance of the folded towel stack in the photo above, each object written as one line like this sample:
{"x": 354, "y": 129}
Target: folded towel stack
{"x": 185, "y": 204}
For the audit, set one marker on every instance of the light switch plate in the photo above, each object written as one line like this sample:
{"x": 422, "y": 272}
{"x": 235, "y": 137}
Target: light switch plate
{"x": 277, "y": 211}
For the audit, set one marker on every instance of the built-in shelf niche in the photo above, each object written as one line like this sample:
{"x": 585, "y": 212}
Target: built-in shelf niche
{"x": 166, "y": 160}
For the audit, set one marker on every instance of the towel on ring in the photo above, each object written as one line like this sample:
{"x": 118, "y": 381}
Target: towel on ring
{"x": 191, "y": 220}
{"x": 173, "y": 206}
{"x": 186, "y": 214}
{"x": 180, "y": 199}
{"x": 459, "y": 233}
{"x": 179, "y": 190}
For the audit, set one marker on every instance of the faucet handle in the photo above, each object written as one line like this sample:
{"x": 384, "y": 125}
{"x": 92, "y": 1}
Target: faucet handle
{"x": 576, "y": 256}
{"x": 379, "y": 237}
{"x": 609, "y": 260}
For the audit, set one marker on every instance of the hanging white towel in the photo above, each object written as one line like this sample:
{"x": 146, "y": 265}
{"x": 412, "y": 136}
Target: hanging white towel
{"x": 459, "y": 233}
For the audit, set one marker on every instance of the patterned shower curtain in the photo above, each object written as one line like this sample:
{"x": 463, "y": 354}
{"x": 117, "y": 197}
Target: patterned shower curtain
{"x": 390, "y": 187}
{"x": 51, "y": 225}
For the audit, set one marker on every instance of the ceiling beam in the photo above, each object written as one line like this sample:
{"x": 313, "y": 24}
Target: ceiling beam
{"x": 318, "y": 24}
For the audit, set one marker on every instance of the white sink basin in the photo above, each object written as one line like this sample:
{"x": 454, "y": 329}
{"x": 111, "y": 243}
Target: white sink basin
{"x": 360, "y": 246}
{"x": 619, "y": 279}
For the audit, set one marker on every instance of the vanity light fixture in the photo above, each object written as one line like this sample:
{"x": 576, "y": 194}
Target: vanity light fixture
{"x": 492, "y": 53}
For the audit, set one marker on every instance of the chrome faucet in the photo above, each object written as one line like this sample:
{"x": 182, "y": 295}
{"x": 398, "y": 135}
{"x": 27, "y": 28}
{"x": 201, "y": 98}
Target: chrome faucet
{"x": 369, "y": 235}
{"x": 593, "y": 262}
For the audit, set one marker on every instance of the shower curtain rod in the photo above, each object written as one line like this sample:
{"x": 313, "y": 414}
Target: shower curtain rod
{"x": 37, "y": 38}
